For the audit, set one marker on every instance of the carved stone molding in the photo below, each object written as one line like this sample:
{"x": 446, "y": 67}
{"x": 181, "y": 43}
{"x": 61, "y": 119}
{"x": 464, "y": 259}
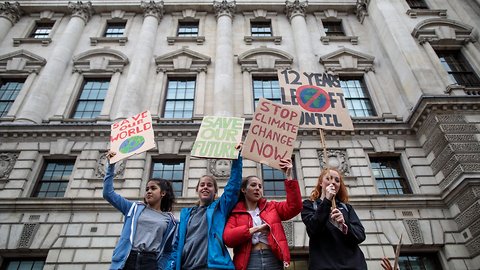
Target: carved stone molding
{"x": 264, "y": 59}
{"x": 289, "y": 232}
{"x": 224, "y": 8}
{"x": 28, "y": 234}
{"x": 21, "y": 61}
{"x": 10, "y": 11}
{"x": 295, "y": 8}
{"x": 440, "y": 31}
{"x": 104, "y": 60}
{"x": 81, "y": 10}
{"x": 361, "y": 10}
{"x": 414, "y": 231}
{"x": 152, "y": 9}
{"x": 7, "y": 161}
{"x": 336, "y": 159}
{"x": 182, "y": 60}
{"x": 219, "y": 167}
{"x": 100, "y": 169}
{"x": 346, "y": 59}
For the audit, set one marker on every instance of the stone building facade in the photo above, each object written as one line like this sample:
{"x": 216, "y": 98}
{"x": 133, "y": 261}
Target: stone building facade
{"x": 409, "y": 68}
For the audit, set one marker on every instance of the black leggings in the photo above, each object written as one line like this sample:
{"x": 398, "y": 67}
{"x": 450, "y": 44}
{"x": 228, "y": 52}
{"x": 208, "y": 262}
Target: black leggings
{"x": 141, "y": 261}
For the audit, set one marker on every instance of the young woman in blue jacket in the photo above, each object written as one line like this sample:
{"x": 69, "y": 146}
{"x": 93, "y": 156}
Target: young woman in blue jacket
{"x": 200, "y": 233}
{"x": 147, "y": 239}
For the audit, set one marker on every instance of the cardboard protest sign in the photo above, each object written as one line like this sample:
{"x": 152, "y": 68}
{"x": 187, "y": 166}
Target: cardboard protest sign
{"x": 319, "y": 96}
{"x": 132, "y": 136}
{"x": 272, "y": 133}
{"x": 217, "y": 137}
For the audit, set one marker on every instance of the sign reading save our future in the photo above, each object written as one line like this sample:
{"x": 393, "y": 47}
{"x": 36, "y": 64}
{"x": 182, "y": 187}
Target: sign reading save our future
{"x": 131, "y": 136}
{"x": 320, "y": 97}
{"x": 217, "y": 137}
{"x": 272, "y": 133}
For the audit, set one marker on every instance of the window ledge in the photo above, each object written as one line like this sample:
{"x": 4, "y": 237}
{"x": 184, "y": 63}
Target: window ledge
{"x": 43, "y": 41}
{"x": 275, "y": 39}
{"x": 198, "y": 39}
{"x": 461, "y": 90}
{"x": 327, "y": 39}
{"x": 413, "y": 13}
{"x": 120, "y": 40}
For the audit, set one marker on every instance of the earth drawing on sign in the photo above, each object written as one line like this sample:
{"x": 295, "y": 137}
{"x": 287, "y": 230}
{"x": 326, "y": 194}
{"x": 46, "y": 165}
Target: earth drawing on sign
{"x": 313, "y": 98}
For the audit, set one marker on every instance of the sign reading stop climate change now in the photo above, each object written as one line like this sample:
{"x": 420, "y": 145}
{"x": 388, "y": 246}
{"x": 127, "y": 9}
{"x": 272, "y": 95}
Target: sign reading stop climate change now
{"x": 217, "y": 137}
{"x": 272, "y": 133}
{"x": 320, "y": 97}
{"x": 132, "y": 136}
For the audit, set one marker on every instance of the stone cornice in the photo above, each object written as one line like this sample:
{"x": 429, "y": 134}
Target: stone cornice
{"x": 10, "y": 11}
{"x": 152, "y": 9}
{"x": 99, "y": 204}
{"x": 295, "y": 8}
{"x": 82, "y": 10}
{"x": 224, "y": 8}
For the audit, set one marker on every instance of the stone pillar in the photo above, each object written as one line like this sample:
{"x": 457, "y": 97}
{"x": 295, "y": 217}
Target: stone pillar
{"x": 158, "y": 94}
{"x": 131, "y": 101}
{"x": 379, "y": 94}
{"x": 223, "y": 82}
{"x": 440, "y": 70}
{"x": 9, "y": 15}
{"x": 473, "y": 52}
{"x": 200, "y": 94}
{"x": 40, "y": 101}
{"x": 305, "y": 56}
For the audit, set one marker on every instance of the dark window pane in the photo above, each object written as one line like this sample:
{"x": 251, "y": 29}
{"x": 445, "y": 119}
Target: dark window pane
{"x": 388, "y": 173}
{"x": 417, "y": 4}
{"x": 169, "y": 169}
{"x": 357, "y": 98}
{"x": 266, "y": 87}
{"x": 458, "y": 68}
{"x": 42, "y": 30}
{"x": 9, "y": 90}
{"x": 90, "y": 102}
{"x": 273, "y": 181}
{"x": 261, "y": 29}
{"x": 187, "y": 29}
{"x": 333, "y": 28}
{"x": 115, "y": 29}
{"x": 426, "y": 261}
{"x": 54, "y": 179}
{"x": 179, "y": 98}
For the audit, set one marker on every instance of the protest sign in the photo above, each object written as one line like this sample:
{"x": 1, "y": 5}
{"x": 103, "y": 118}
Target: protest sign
{"x": 272, "y": 133}
{"x": 217, "y": 137}
{"x": 319, "y": 96}
{"x": 132, "y": 136}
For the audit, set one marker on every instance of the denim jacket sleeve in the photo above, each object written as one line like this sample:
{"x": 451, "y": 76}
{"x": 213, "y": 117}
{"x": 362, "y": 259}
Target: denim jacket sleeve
{"x": 116, "y": 200}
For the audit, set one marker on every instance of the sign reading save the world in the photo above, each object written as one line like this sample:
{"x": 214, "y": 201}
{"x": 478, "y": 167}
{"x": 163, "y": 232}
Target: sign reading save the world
{"x": 131, "y": 136}
{"x": 319, "y": 96}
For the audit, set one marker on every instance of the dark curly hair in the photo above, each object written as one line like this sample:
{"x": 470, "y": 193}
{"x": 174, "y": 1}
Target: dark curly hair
{"x": 167, "y": 201}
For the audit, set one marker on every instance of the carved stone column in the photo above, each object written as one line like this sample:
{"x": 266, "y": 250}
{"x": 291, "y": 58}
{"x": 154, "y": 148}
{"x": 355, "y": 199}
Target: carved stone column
{"x": 131, "y": 102}
{"x": 223, "y": 82}
{"x": 39, "y": 102}
{"x": 9, "y": 15}
{"x": 296, "y": 13}
{"x": 432, "y": 55}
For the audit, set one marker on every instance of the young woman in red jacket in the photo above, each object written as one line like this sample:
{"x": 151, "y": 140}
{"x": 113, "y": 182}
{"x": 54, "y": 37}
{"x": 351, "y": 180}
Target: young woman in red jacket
{"x": 254, "y": 229}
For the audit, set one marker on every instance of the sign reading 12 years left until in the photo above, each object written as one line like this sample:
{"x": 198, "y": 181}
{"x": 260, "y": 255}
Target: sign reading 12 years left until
{"x": 320, "y": 97}
{"x": 132, "y": 136}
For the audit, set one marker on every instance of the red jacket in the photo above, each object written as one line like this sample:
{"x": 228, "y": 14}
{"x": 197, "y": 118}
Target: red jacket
{"x": 237, "y": 236}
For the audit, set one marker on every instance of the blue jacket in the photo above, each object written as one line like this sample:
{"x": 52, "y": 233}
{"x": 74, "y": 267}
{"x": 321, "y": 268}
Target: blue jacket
{"x": 217, "y": 214}
{"x": 131, "y": 211}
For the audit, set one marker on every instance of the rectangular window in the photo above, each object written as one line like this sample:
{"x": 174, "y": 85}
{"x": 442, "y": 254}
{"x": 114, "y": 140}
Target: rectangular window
{"x": 23, "y": 264}
{"x": 180, "y": 98}
{"x": 261, "y": 29}
{"x": 115, "y": 29}
{"x": 458, "y": 68}
{"x": 171, "y": 170}
{"x": 427, "y": 261}
{"x": 417, "y": 4}
{"x": 9, "y": 90}
{"x": 54, "y": 179}
{"x": 357, "y": 98}
{"x": 89, "y": 104}
{"x": 266, "y": 87}
{"x": 187, "y": 29}
{"x": 42, "y": 29}
{"x": 389, "y": 175}
{"x": 333, "y": 28}
{"x": 273, "y": 181}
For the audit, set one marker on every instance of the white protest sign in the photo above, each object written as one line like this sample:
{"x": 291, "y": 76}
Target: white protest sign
{"x": 132, "y": 136}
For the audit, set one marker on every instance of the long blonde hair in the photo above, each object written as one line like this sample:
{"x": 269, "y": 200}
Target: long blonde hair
{"x": 342, "y": 194}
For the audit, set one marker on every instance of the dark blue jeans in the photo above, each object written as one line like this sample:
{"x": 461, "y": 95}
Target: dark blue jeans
{"x": 264, "y": 260}
{"x": 141, "y": 261}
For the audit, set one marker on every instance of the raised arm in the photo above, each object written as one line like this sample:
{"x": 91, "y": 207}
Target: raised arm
{"x": 293, "y": 205}
{"x": 116, "y": 200}
{"x": 230, "y": 194}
